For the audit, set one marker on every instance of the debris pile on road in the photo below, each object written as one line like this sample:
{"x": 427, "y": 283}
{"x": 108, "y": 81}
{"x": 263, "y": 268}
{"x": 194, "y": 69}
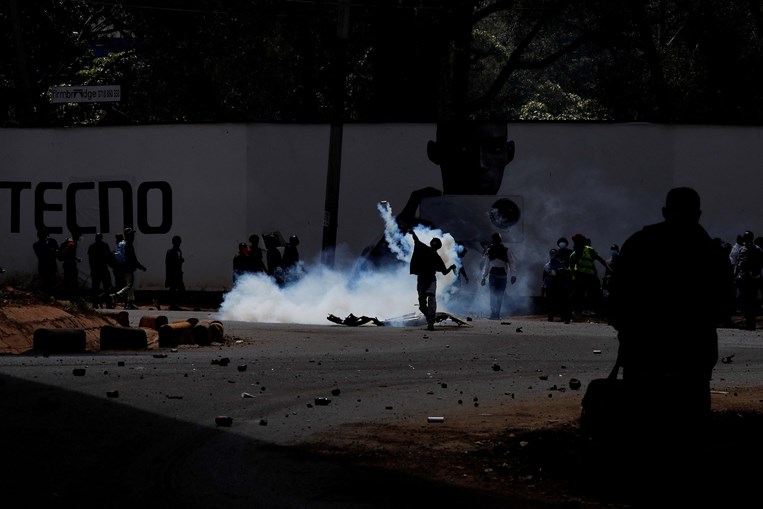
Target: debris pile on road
{"x": 409, "y": 320}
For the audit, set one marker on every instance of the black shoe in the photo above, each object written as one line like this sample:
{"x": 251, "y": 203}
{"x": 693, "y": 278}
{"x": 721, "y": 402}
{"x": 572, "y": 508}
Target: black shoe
{"x": 430, "y": 326}
{"x": 130, "y": 305}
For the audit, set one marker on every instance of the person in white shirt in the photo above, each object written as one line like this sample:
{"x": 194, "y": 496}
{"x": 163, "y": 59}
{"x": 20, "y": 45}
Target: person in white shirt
{"x": 499, "y": 263}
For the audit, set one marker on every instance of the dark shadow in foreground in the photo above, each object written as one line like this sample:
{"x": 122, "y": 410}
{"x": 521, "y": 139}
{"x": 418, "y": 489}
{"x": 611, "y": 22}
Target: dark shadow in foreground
{"x": 65, "y": 449}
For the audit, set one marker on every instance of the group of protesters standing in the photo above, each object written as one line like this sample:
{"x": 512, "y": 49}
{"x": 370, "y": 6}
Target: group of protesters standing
{"x": 279, "y": 260}
{"x": 121, "y": 262}
{"x": 572, "y": 288}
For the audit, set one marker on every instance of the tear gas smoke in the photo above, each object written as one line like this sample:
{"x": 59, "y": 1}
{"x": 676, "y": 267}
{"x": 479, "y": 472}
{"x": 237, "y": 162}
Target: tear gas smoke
{"x": 385, "y": 293}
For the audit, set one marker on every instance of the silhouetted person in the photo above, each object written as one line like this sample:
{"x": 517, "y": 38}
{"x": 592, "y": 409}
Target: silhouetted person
{"x": 290, "y": 253}
{"x": 99, "y": 259}
{"x": 735, "y": 249}
{"x": 498, "y": 264}
{"x": 733, "y": 256}
{"x": 127, "y": 261}
{"x": 119, "y": 277}
{"x": 562, "y": 245}
{"x": 241, "y": 264}
{"x": 290, "y": 261}
{"x": 614, "y": 253}
{"x": 586, "y": 286}
{"x": 666, "y": 313}
{"x": 46, "y": 250}
{"x": 173, "y": 264}
{"x": 273, "y": 257}
{"x": 425, "y": 264}
{"x": 759, "y": 243}
{"x": 67, "y": 253}
{"x": 747, "y": 278}
{"x": 256, "y": 263}
{"x": 557, "y": 286}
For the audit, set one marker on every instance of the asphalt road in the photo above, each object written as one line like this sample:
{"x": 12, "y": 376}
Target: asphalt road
{"x": 118, "y": 428}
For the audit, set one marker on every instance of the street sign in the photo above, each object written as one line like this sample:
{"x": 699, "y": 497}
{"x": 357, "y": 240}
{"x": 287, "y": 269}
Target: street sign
{"x": 86, "y": 94}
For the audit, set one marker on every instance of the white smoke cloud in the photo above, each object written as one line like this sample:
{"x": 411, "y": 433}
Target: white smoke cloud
{"x": 322, "y": 291}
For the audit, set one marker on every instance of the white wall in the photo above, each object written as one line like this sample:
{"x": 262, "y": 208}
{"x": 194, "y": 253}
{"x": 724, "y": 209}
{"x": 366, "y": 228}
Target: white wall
{"x": 204, "y": 165}
{"x": 228, "y": 181}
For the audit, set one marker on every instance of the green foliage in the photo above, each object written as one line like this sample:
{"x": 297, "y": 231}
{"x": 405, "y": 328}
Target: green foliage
{"x": 403, "y": 60}
{"x": 551, "y": 102}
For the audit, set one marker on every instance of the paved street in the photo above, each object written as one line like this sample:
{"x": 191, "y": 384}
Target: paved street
{"x": 149, "y": 418}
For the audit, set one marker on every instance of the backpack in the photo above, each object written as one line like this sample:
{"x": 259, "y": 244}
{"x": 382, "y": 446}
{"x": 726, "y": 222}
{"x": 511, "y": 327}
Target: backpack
{"x": 120, "y": 253}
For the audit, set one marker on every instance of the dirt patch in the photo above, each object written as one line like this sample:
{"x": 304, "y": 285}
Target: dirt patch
{"x": 22, "y": 312}
{"x": 543, "y": 460}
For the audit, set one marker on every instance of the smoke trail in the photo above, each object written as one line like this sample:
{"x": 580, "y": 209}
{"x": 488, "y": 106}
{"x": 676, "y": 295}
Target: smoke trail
{"x": 402, "y": 245}
{"x": 320, "y": 291}
{"x": 395, "y": 239}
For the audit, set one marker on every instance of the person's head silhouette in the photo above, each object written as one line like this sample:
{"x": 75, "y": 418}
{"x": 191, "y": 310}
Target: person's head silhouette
{"x": 472, "y": 156}
{"x": 682, "y": 206}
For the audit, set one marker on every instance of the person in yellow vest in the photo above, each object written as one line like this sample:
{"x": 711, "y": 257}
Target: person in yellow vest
{"x": 586, "y": 286}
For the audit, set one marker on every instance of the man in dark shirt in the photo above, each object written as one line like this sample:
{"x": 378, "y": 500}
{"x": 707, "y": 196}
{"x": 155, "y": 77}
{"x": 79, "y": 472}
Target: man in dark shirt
{"x": 687, "y": 299}
{"x": 254, "y": 261}
{"x": 666, "y": 314}
{"x": 99, "y": 258}
{"x": 46, "y": 249}
{"x": 425, "y": 264}
{"x": 173, "y": 264}
{"x": 67, "y": 253}
{"x": 747, "y": 277}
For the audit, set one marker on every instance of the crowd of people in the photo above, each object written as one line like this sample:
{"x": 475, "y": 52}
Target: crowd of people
{"x": 572, "y": 288}
{"x": 575, "y": 278}
{"x": 666, "y": 314}
{"x": 279, "y": 260}
{"x": 112, "y": 270}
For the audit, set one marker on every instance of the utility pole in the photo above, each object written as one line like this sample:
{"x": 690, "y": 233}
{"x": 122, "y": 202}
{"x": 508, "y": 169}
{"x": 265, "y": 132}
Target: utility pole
{"x": 331, "y": 208}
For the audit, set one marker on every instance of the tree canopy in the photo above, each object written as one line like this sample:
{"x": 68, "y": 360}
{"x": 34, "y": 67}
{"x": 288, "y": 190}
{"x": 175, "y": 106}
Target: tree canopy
{"x": 191, "y": 61}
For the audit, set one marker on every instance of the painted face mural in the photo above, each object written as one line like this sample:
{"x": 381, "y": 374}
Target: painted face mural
{"x": 472, "y": 156}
